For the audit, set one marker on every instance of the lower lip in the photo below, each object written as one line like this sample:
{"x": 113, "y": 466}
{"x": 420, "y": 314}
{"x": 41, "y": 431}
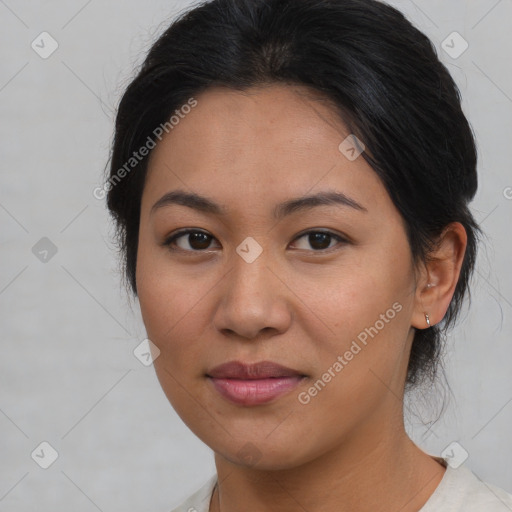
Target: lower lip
{"x": 256, "y": 391}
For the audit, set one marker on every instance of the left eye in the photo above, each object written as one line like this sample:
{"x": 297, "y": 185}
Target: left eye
{"x": 320, "y": 240}
{"x": 199, "y": 241}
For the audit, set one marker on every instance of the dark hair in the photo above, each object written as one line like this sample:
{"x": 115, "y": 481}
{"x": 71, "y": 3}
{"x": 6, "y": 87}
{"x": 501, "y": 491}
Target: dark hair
{"x": 369, "y": 61}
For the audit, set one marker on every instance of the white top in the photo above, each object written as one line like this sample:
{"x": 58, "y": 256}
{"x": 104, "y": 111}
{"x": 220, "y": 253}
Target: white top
{"x": 459, "y": 491}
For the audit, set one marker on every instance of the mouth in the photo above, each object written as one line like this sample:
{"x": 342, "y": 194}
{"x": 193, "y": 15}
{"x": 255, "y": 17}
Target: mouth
{"x": 253, "y": 384}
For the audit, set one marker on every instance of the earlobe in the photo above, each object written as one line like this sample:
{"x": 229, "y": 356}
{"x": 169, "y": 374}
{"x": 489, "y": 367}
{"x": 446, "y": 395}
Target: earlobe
{"x": 439, "y": 278}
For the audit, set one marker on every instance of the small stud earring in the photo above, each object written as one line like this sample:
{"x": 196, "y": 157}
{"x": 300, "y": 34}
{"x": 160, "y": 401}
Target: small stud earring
{"x": 427, "y": 319}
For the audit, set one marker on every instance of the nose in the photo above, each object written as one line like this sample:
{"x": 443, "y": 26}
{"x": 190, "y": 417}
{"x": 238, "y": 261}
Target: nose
{"x": 254, "y": 300}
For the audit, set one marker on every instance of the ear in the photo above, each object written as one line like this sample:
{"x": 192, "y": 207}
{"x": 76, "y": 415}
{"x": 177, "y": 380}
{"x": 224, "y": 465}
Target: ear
{"x": 439, "y": 276}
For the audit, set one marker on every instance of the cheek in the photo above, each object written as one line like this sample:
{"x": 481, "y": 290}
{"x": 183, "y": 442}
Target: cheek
{"x": 354, "y": 296}
{"x": 364, "y": 353}
{"x": 173, "y": 306}
{"x": 366, "y": 307}
{"x": 173, "y": 301}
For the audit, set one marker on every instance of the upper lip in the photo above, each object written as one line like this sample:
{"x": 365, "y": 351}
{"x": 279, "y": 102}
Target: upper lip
{"x": 260, "y": 370}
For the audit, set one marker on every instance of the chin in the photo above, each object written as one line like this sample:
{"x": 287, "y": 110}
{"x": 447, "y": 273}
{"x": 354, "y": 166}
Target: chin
{"x": 262, "y": 454}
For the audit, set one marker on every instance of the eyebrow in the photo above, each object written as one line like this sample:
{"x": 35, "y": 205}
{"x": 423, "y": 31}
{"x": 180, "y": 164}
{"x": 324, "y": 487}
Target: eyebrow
{"x": 206, "y": 205}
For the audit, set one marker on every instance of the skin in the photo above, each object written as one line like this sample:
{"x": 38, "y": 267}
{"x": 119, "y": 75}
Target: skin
{"x": 299, "y": 304}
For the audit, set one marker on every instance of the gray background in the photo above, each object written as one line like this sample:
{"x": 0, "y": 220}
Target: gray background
{"x": 68, "y": 375}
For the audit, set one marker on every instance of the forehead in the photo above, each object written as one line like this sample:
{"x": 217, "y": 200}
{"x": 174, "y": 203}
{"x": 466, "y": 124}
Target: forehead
{"x": 228, "y": 123}
{"x": 275, "y": 140}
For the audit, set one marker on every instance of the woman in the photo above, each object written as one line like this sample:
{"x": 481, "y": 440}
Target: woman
{"x": 290, "y": 181}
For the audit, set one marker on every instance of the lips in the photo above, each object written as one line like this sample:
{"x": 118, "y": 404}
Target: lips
{"x": 262, "y": 370}
{"x": 253, "y": 384}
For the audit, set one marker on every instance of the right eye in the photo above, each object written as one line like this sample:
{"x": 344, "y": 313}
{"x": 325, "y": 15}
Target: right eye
{"x": 197, "y": 240}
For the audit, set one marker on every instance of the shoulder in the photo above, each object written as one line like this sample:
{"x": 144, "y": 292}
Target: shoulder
{"x": 461, "y": 490}
{"x": 200, "y": 500}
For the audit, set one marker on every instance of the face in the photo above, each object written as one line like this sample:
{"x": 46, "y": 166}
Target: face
{"x": 322, "y": 287}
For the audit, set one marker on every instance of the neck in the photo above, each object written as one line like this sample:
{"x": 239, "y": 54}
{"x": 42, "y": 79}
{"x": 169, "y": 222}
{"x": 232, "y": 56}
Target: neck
{"x": 388, "y": 473}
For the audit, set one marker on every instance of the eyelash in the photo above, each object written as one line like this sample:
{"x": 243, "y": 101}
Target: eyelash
{"x": 169, "y": 241}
